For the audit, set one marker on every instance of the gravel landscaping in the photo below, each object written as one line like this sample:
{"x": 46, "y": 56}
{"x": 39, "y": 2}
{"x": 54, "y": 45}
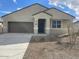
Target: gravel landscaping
{"x": 48, "y": 48}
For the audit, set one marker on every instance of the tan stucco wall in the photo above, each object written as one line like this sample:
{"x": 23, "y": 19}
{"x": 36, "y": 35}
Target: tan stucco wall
{"x": 63, "y": 29}
{"x": 24, "y": 15}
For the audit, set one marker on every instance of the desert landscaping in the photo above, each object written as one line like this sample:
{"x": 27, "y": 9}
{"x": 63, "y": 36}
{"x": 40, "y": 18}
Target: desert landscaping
{"x": 41, "y": 47}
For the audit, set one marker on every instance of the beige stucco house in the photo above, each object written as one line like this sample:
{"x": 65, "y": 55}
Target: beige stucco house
{"x": 76, "y": 26}
{"x": 1, "y": 25}
{"x": 37, "y": 19}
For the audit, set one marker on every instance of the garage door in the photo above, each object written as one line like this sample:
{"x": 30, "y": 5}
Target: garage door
{"x": 20, "y": 27}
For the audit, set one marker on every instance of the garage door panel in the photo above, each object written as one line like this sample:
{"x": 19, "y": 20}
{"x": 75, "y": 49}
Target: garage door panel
{"x": 20, "y": 27}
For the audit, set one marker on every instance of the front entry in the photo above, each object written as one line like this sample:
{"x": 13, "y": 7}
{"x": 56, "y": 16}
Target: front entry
{"x": 41, "y": 26}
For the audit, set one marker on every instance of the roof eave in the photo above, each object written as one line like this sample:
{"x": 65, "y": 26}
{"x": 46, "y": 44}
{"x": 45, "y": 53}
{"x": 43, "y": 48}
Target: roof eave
{"x": 25, "y": 8}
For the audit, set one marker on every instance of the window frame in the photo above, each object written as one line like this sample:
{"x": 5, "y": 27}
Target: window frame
{"x": 56, "y": 24}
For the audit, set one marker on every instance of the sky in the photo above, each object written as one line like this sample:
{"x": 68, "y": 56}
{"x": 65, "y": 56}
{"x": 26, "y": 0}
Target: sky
{"x": 68, "y": 6}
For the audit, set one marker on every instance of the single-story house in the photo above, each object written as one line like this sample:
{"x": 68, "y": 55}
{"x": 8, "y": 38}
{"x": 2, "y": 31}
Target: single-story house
{"x": 37, "y": 19}
{"x": 76, "y": 26}
{"x": 1, "y": 25}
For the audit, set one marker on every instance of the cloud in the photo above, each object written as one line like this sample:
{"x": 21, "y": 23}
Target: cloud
{"x": 77, "y": 13}
{"x": 72, "y": 4}
{"x": 67, "y": 11}
{"x": 6, "y": 12}
{"x": 54, "y": 2}
{"x": 61, "y": 6}
{"x": 15, "y": 1}
{"x": 66, "y": 2}
{"x": 77, "y": 17}
{"x": 18, "y": 8}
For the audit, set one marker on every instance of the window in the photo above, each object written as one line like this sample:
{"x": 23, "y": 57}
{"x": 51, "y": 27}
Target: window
{"x": 56, "y": 24}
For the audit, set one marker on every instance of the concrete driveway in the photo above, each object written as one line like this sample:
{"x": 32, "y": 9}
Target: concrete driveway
{"x": 13, "y": 45}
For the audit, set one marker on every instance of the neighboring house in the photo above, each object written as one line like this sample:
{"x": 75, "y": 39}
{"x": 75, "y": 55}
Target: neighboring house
{"x": 37, "y": 19}
{"x": 1, "y": 25}
{"x": 76, "y": 26}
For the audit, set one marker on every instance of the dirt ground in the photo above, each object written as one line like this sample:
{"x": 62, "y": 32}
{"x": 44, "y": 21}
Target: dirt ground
{"x": 41, "y": 49}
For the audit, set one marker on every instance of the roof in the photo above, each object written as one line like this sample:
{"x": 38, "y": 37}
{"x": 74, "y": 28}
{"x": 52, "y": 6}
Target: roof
{"x": 60, "y": 11}
{"x": 63, "y": 12}
{"x": 41, "y": 11}
{"x": 25, "y": 8}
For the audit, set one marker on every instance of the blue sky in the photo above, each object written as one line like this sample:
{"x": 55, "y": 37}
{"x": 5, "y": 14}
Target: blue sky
{"x": 8, "y": 6}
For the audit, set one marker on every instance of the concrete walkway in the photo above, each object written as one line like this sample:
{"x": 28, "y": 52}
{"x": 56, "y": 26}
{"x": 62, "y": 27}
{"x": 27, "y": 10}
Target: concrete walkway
{"x": 13, "y": 46}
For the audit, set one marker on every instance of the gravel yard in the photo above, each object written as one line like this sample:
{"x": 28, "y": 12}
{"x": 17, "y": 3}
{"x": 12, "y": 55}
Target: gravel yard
{"x": 49, "y": 49}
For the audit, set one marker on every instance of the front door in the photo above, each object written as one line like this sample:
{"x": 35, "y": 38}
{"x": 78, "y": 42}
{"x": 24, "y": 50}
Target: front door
{"x": 41, "y": 26}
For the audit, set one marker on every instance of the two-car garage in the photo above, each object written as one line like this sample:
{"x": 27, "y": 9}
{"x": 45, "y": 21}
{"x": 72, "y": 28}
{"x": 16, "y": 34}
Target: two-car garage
{"x": 20, "y": 27}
